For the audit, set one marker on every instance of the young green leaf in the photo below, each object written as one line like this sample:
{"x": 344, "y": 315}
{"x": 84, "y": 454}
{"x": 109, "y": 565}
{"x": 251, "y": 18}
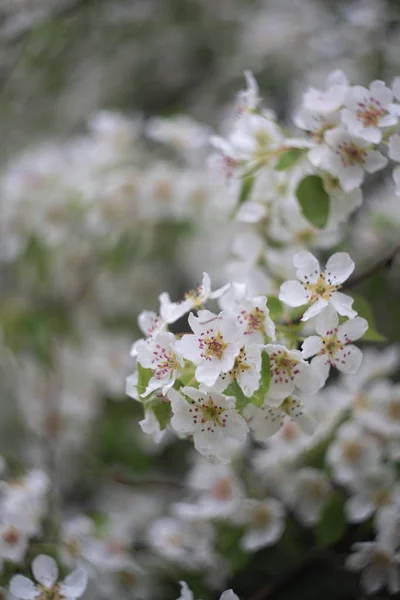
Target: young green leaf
{"x": 162, "y": 411}
{"x": 314, "y": 200}
{"x": 275, "y": 307}
{"x": 245, "y": 190}
{"x": 289, "y": 158}
{"x": 234, "y": 389}
{"x": 258, "y": 397}
{"x": 144, "y": 376}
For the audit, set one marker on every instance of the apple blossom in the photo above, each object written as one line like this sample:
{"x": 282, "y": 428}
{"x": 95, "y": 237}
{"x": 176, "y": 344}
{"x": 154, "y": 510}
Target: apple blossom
{"x": 348, "y": 156}
{"x": 246, "y": 371}
{"x": 367, "y": 111}
{"x": 289, "y": 372}
{"x": 268, "y": 420}
{"x": 318, "y": 289}
{"x": 379, "y": 564}
{"x": 211, "y": 418}
{"x": 213, "y": 346}
{"x": 172, "y": 311}
{"x": 45, "y": 571}
{"x": 161, "y": 356}
{"x": 333, "y": 344}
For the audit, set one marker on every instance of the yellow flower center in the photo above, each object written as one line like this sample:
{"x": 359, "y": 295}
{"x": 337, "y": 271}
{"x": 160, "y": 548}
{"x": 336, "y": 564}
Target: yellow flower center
{"x": 213, "y": 346}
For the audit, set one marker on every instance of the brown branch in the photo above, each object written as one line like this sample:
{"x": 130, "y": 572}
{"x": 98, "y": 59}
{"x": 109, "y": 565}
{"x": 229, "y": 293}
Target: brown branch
{"x": 384, "y": 263}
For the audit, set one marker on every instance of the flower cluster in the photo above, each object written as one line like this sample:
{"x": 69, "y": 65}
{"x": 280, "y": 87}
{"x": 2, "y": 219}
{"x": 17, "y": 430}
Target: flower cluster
{"x": 235, "y": 371}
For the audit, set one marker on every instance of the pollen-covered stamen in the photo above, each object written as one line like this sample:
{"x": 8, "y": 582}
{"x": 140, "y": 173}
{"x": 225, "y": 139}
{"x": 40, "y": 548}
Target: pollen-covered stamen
{"x": 331, "y": 346}
{"x": 51, "y": 593}
{"x": 283, "y": 368}
{"x": 253, "y": 321}
{"x": 197, "y": 296}
{"x": 212, "y": 344}
{"x": 164, "y": 361}
{"x": 208, "y": 413}
{"x": 240, "y": 364}
{"x": 350, "y": 154}
{"x": 323, "y": 288}
{"x": 292, "y": 407}
{"x": 370, "y": 111}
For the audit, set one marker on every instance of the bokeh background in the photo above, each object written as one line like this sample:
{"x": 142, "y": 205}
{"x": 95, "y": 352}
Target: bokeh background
{"x": 103, "y": 205}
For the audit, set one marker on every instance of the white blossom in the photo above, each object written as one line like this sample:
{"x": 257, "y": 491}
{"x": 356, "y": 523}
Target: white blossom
{"x": 268, "y": 420}
{"x": 45, "y": 571}
{"x": 317, "y": 289}
{"x": 264, "y": 520}
{"x": 367, "y": 111}
{"x": 289, "y": 372}
{"x": 333, "y": 344}
{"x": 330, "y": 100}
{"x": 187, "y": 594}
{"x": 211, "y": 418}
{"x": 379, "y": 564}
{"x": 246, "y": 371}
{"x": 307, "y": 493}
{"x": 213, "y": 346}
{"x": 352, "y": 453}
{"x": 348, "y": 156}
{"x": 372, "y": 491}
{"x": 252, "y": 313}
{"x": 172, "y": 311}
{"x": 160, "y": 354}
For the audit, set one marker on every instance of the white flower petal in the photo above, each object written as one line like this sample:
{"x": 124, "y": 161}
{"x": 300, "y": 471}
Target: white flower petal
{"x": 293, "y": 293}
{"x": 45, "y": 570}
{"x": 321, "y": 366}
{"x": 373, "y": 578}
{"x": 311, "y": 346}
{"x": 24, "y": 588}
{"x": 349, "y": 359}
{"x": 375, "y": 161}
{"x": 339, "y": 268}
{"x": 352, "y": 330}
{"x": 186, "y": 592}
{"x": 307, "y": 267}
{"x": 314, "y": 309}
{"x": 229, "y": 595}
{"x": 326, "y": 321}
{"x": 358, "y": 508}
{"x": 357, "y": 561}
{"x": 343, "y": 304}
{"x": 74, "y": 584}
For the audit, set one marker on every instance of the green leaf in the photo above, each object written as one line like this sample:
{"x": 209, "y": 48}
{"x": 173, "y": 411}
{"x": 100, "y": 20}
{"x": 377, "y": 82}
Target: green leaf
{"x": 144, "y": 376}
{"x": 186, "y": 375}
{"x": 258, "y": 398}
{"x": 162, "y": 411}
{"x": 364, "y": 309}
{"x": 288, "y": 158}
{"x": 234, "y": 389}
{"x": 245, "y": 190}
{"x": 314, "y": 200}
{"x": 332, "y": 524}
{"x": 275, "y": 307}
